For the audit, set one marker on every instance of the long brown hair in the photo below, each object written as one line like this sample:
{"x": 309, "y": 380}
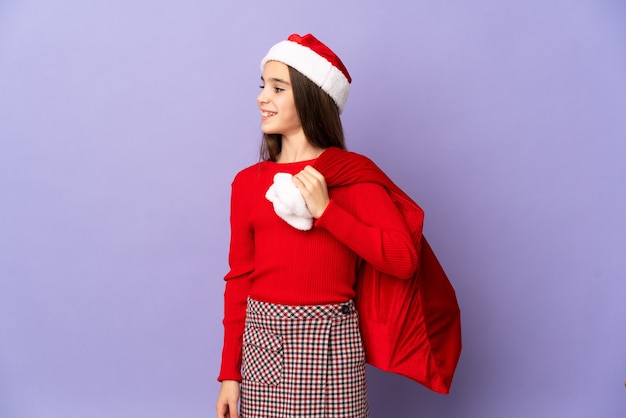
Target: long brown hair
{"x": 318, "y": 115}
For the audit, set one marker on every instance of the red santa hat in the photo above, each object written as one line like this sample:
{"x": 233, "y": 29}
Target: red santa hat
{"x": 315, "y": 61}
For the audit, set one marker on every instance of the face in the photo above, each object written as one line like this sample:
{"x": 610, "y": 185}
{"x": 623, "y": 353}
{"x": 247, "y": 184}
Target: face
{"x": 276, "y": 102}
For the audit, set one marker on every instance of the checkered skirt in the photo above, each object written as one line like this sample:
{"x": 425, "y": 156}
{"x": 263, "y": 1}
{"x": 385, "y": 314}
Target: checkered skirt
{"x": 303, "y": 361}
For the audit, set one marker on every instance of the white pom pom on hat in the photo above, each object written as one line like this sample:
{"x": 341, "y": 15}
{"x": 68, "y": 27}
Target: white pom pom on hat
{"x": 315, "y": 61}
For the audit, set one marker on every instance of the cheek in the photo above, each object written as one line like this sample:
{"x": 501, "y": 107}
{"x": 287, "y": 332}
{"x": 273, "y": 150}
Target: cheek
{"x": 289, "y": 106}
{"x": 293, "y": 116}
{"x": 287, "y": 101}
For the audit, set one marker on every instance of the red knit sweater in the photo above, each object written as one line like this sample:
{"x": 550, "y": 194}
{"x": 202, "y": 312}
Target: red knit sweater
{"x": 273, "y": 262}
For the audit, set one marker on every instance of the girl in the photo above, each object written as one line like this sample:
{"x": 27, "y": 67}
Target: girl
{"x": 292, "y": 346}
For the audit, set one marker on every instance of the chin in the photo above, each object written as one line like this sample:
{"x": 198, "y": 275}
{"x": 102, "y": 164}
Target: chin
{"x": 268, "y": 131}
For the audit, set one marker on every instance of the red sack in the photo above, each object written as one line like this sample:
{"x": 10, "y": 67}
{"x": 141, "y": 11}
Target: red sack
{"x": 409, "y": 327}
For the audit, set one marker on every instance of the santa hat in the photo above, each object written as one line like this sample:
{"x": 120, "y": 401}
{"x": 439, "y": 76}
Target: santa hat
{"x": 316, "y": 62}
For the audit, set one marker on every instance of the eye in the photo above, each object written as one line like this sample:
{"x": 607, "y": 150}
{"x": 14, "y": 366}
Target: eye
{"x": 278, "y": 90}
{"x": 261, "y": 87}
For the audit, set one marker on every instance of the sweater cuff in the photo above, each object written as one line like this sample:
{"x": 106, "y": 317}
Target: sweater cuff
{"x": 231, "y": 368}
{"x": 229, "y": 375}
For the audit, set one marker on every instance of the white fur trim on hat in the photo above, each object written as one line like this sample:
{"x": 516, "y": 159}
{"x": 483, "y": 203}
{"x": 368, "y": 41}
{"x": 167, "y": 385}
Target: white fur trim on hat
{"x": 289, "y": 203}
{"x": 313, "y": 66}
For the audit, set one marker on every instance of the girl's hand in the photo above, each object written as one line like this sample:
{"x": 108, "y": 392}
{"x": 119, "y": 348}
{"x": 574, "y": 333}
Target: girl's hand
{"x": 312, "y": 185}
{"x": 227, "y": 399}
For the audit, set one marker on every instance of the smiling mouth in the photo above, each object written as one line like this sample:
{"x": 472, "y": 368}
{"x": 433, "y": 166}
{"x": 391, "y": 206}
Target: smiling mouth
{"x": 267, "y": 114}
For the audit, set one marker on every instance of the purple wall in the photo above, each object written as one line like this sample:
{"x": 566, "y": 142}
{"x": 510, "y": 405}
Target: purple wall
{"x": 122, "y": 124}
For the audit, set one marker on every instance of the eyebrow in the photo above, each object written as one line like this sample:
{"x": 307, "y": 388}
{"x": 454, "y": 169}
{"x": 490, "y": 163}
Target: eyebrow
{"x": 277, "y": 80}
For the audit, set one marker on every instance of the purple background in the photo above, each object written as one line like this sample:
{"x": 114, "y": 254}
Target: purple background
{"x": 122, "y": 124}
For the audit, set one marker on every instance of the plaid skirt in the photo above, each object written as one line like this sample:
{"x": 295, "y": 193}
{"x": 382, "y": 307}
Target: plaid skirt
{"x": 303, "y": 361}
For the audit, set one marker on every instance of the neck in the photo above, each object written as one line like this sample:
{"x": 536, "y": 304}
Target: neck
{"x": 297, "y": 150}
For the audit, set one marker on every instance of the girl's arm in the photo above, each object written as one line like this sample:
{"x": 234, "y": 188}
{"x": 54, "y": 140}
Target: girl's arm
{"x": 241, "y": 261}
{"x": 366, "y": 220}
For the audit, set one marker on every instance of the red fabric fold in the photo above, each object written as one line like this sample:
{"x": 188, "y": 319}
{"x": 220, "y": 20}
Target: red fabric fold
{"x": 409, "y": 327}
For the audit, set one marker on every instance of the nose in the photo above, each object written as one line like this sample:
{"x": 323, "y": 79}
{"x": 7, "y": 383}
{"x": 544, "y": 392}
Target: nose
{"x": 261, "y": 99}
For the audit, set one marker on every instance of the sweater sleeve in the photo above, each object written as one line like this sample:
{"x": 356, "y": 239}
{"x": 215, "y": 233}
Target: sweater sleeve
{"x": 241, "y": 261}
{"x": 372, "y": 227}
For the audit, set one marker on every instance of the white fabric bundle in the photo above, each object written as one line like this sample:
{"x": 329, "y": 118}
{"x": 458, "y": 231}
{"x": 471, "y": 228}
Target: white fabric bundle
{"x": 289, "y": 203}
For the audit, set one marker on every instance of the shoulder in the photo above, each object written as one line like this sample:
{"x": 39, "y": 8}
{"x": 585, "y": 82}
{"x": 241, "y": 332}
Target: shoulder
{"x": 248, "y": 175}
{"x": 346, "y": 167}
{"x": 335, "y": 159}
{"x": 338, "y": 154}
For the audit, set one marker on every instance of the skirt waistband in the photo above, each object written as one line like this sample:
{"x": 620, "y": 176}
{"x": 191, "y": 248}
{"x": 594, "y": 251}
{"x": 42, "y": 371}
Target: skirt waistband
{"x": 300, "y": 311}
